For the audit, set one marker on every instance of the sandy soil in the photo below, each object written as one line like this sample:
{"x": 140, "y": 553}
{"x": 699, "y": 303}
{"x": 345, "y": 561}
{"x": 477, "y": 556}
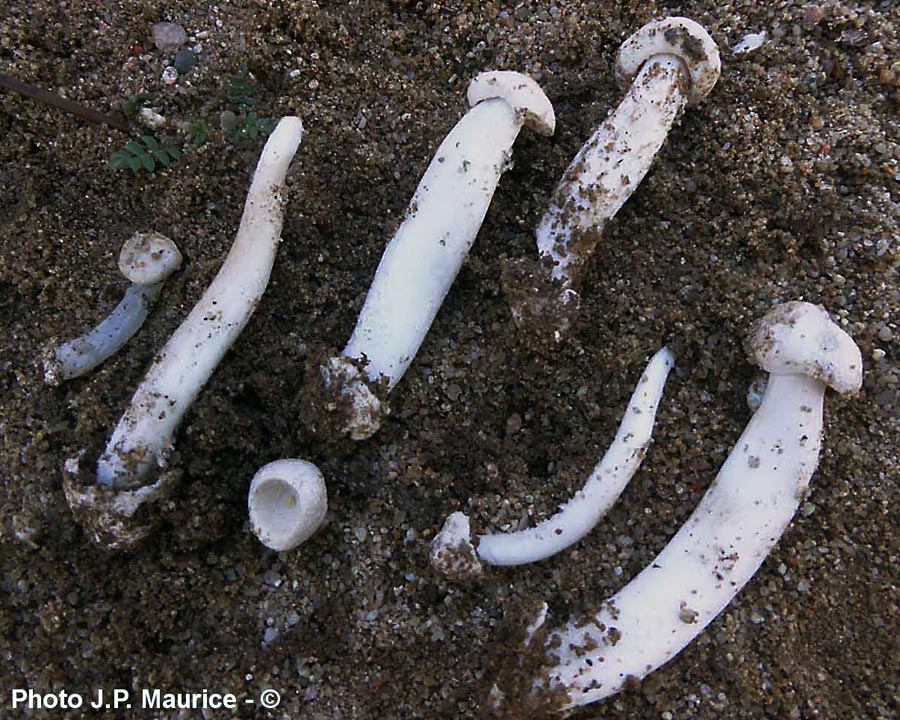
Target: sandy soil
{"x": 783, "y": 185}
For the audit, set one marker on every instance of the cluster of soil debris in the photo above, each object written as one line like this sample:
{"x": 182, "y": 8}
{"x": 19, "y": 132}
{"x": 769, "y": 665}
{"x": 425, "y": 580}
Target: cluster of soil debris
{"x": 782, "y": 185}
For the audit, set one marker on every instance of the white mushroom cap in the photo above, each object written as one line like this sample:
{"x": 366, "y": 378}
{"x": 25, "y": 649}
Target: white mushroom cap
{"x": 288, "y": 501}
{"x": 522, "y": 93}
{"x": 799, "y": 338}
{"x": 149, "y": 258}
{"x": 678, "y": 36}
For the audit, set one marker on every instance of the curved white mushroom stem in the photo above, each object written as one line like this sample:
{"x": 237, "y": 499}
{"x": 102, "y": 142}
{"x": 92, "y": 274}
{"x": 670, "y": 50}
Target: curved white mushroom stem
{"x": 579, "y": 515}
{"x": 147, "y": 259}
{"x": 287, "y": 503}
{"x": 144, "y": 434}
{"x": 737, "y": 523}
{"x": 424, "y": 256}
{"x": 667, "y": 63}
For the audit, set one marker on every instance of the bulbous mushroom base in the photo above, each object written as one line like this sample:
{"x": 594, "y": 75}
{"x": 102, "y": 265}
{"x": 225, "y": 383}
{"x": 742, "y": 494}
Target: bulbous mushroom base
{"x": 341, "y": 400}
{"x": 114, "y": 519}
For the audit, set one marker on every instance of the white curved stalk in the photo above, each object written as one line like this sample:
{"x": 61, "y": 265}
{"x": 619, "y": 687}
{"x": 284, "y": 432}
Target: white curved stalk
{"x": 423, "y": 258}
{"x": 81, "y": 355}
{"x": 578, "y": 516}
{"x": 737, "y": 523}
{"x": 666, "y": 64}
{"x": 287, "y": 503}
{"x": 610, "y": 166}
{"x": 143, "y": 436}
{"x": 157, "y": 258}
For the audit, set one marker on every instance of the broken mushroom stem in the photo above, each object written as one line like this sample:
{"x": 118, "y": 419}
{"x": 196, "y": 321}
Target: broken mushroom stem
{"x": 424, "y": 256}
{"x": 666, "y": 64}
{"x": 737, "y": 523}
{"x": 147, "y": 260}
{"x": 287, "y": 503}
{"x": 453, "y": 553}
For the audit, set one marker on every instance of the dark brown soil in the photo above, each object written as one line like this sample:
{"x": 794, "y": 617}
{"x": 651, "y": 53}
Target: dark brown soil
{"x": 783, "y": 185}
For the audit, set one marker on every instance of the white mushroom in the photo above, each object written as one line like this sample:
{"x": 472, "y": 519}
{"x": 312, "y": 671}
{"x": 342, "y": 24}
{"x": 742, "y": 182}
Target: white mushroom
{"x": 667, "y": 63}
{"x": 287, "y": 503}
{"x": 147, "y": 259}
{"x": 575, "y": 519}
{"x": 127, "y": 471}
{"x": 424, "y": 256}
{"x": 737, "y": 523}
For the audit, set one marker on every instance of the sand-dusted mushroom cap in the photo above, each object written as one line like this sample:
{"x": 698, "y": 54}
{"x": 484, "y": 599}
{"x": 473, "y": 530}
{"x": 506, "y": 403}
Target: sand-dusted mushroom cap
{"x": 149, "y": 258}
{"x": 800, "y": 338}
{"x": 679, "y": 36}
{"x": 521, "y": 92}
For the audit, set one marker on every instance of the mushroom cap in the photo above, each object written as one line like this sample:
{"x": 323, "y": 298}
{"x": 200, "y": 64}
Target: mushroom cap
{"x": 149, "y": 258}
{"x": 678, "y": 36}
{"x": 287, "y": 502}
{"x": 799, "y": 338}
{"x": 522, "y": 93}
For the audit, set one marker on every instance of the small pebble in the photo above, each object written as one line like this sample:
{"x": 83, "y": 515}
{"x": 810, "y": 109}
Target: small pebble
{"x": 170, "y": 75}
{"x": 151, "y": 118}
{"x": 185, "y": 60}
{"x": 168, "y": 36}
{"x": 750, "y": 43}
{"x": 812, "y": 16}
{"x": 227, "y": 121}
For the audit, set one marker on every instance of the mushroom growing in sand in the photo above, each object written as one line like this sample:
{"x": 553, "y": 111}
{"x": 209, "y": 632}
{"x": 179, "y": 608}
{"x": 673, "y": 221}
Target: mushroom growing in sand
{"x": 666, "y": 64}
{"x": 131, "y": 470}
{"x": 737, "y": 523}
{"x": 147, "y": 260}
{"x": 424, "y": 256}
{"x": 287, "y": 503}
{"x": 454, "y": 554}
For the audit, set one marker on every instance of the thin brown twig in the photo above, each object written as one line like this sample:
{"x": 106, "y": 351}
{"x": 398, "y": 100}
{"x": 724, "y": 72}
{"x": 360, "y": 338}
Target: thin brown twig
{"x": 57, "y": 101}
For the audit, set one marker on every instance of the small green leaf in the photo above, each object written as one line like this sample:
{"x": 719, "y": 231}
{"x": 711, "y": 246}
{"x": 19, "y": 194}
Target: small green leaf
{"x": 151, "y": 143}
{"x": 147, "y": 160}
{"x": 174, "y": 151}
{"x": 134, "y": 148}
{"x": 163, "y": 158}
{"x": 134, "y": 163}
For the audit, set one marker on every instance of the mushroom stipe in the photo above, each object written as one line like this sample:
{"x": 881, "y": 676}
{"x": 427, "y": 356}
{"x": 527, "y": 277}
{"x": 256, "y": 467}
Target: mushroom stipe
{"x": 737, "y": 523}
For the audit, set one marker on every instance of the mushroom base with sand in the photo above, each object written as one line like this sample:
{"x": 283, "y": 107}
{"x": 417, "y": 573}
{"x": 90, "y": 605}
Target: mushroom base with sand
{"x": 133, "y": 469}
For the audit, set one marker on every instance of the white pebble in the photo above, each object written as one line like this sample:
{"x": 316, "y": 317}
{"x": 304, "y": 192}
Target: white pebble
{"x": 750, "y": 43}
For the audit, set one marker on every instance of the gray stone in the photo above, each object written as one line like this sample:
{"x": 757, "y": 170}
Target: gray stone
{"x": 168, "y": 36}
{"x": 185, "y": 60}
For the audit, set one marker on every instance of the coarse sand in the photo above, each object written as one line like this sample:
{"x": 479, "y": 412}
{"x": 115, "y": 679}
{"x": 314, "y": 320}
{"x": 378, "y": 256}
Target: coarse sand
{"x": 782, "y": 185}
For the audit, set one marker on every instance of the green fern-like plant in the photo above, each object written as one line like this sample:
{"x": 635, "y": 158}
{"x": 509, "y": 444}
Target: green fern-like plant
{"x": 198, "y": 132}
{"x": 252, "y": 126}
{"x": 241, "y": 88}
{"x": 144, "y": 155}
{"x": 134, "y": 102}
